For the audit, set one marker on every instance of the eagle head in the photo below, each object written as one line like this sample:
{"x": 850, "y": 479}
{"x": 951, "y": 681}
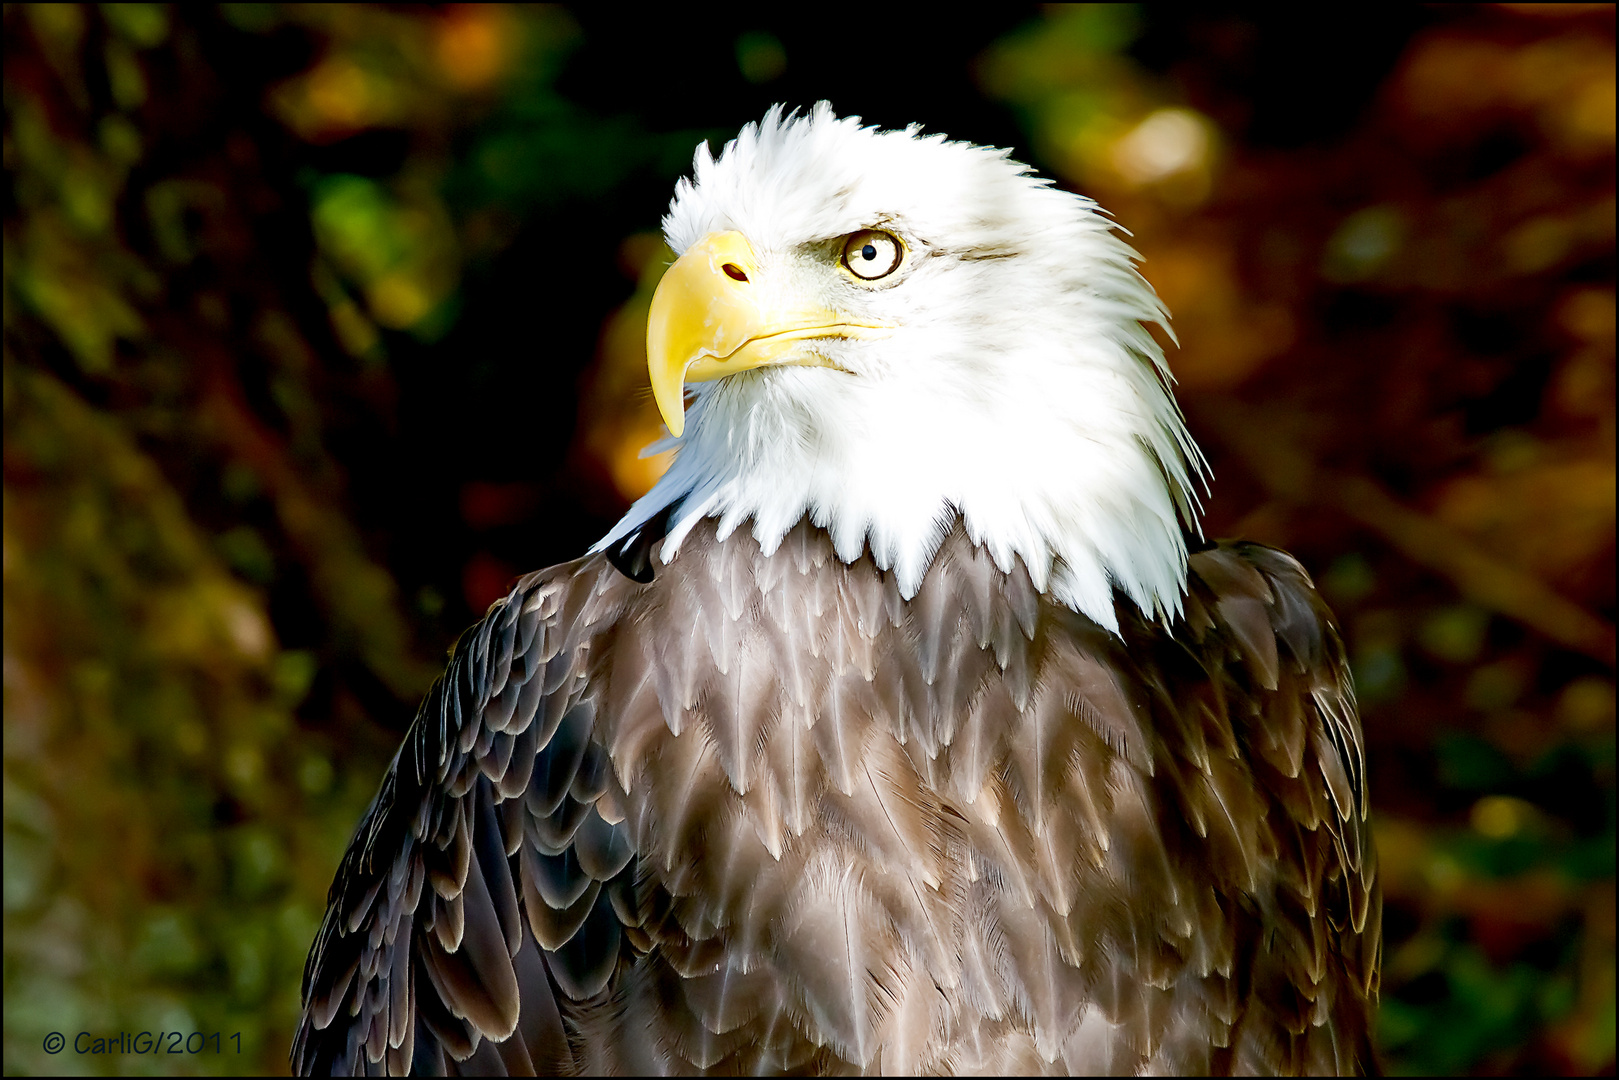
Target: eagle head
{"x": 883, "y": 330}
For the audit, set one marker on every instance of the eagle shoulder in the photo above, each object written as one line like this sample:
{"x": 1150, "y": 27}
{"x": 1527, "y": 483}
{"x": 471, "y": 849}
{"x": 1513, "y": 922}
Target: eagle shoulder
{"x": 1275, "y": 661}
{"x": 431, "y": 945}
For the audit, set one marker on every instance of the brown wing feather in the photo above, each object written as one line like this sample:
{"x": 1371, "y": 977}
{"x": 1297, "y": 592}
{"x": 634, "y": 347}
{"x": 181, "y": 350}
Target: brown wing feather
{"x": 430, "y": 957}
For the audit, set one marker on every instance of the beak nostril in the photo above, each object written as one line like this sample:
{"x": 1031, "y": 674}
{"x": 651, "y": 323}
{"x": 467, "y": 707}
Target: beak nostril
{"x": 734, "y": 272}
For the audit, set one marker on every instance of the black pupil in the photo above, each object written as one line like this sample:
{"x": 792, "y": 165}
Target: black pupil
{"x": 869, "y": 252}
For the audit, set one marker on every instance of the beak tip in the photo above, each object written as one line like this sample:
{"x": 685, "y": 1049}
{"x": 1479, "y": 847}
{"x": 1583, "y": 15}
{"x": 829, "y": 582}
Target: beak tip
{"x": 672, "y": 408}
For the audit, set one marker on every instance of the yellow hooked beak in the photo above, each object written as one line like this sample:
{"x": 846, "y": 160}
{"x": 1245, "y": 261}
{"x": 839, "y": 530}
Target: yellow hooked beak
{"x": 713, "y": 315}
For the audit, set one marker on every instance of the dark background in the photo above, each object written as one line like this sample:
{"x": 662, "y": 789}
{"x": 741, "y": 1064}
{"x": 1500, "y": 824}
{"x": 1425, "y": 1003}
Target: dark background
{"x": 322, "y": 323}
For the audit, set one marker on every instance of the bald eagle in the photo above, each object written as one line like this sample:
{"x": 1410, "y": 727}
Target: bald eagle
{"x": 899, "y": 727}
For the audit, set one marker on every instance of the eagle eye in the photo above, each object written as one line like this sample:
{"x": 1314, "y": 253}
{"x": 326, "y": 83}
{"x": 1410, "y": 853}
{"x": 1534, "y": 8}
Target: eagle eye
{"x": 871, "y": 254}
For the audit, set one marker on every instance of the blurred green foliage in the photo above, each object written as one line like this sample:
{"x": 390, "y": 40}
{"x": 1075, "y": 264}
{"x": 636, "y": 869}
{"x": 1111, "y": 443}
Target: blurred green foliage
{"x": 299, "y": 307}
{"x": 167, "y": 838}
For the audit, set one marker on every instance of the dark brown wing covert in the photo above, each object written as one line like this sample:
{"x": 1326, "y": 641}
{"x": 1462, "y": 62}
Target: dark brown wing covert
{"x": 476, "y": 891}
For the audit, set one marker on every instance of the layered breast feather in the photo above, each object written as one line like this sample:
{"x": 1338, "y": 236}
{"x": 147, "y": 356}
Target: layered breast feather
{"x": 761, "y": 814}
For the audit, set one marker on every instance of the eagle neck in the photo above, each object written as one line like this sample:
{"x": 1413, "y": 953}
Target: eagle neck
{"x": 1088, "y": 520}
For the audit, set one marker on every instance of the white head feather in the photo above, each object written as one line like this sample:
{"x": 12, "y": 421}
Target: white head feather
{"x": 1021, "y": 387}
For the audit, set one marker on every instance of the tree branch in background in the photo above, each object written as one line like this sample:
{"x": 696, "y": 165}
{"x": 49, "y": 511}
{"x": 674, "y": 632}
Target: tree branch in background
{"x": 1289, "y": 472}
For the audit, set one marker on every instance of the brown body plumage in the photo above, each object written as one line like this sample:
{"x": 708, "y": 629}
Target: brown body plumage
{"x": 762, "y": 814}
